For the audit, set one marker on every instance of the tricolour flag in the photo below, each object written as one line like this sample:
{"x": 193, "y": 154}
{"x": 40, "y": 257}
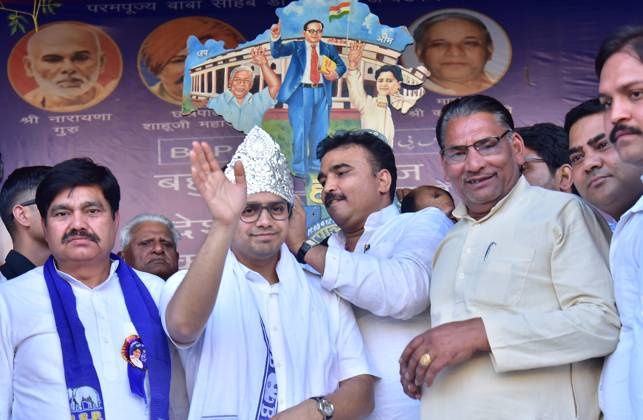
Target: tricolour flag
{"x": 336, "y": 12}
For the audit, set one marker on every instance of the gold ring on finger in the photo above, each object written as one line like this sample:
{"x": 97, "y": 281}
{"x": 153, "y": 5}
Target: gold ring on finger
{"x": 425, "y": 360}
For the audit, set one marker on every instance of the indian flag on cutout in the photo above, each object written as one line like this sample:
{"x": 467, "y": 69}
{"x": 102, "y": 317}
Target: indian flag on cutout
{"x": 336, "y": 12}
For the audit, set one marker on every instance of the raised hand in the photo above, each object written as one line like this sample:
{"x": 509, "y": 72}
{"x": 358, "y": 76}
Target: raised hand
{"x": 355, "y": 51}
{"x": 296, "y": 227}
{"x": 225, "y": 199}
{"x": 275, "y": 30}
{"x": 258, "y": 56}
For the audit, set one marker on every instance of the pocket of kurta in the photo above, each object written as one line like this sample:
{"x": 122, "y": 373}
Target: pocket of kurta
{"x": 500, "y": 278}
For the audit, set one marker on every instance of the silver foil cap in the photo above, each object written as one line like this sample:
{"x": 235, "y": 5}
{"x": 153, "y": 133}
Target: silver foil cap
{"x": 265, "y": 166}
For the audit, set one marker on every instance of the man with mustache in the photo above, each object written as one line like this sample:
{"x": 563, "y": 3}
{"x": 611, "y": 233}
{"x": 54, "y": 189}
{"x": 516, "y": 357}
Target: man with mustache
{"x": 253, "y": 330}
{"x": 521, "y": 297}
{"x": 380, "y": 260}
{"x": 148, "y": 244}
{"x": 619, "y": 65}
{"x": 65, "y": 327}
{"x": 599, "y": 174}
{"x": 66, "y": 60}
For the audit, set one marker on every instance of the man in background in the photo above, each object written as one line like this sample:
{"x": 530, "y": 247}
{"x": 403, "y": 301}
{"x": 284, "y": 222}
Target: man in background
{"x": 619, "y": 66}
{"x": 599, "y": 174}
{"x": 22, "y": 219}
{"x": 148, "y": 243}
{"x": 546, "y": 157}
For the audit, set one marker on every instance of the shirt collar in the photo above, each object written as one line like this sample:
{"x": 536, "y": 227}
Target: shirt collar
{"x": 229, "y": 98}
{"x": 461, "y": 211}
{"x": 373, "y": 221}
{"x": 75, "y": 282}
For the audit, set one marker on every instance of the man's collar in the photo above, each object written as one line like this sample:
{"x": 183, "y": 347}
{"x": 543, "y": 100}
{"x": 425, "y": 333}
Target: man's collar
{"x": 378, "y": 218}
{"x": 461, "y": 211}
{"x": 229, "y": 98}
{"x": 73, "y": 281}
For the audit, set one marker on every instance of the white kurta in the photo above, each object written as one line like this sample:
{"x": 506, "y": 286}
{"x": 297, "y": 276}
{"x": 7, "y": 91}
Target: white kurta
{"x": 32, "y": 379}
{"x": 387, "y": 279}
{"x": 208, "y": 378}
{"x": 621, "y": 389}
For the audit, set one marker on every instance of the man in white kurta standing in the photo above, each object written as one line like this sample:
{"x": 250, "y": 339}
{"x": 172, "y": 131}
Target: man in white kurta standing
{"x": 380, "y": 261}
{"x": 260, "y": 340}
{"x": 619, "y": 65}
{"x": 522, "y": 307}
{"x": 70, "y": 329}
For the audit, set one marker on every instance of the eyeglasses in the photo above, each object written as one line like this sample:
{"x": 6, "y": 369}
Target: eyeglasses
{"x": 244, "y": 81}
{"x": 28, "y": 202}
{"x": 278, "y": 211}
{"x": 486, "y": 147}
{"x": 528, "y": 160}
{"x": 315, "y": 31}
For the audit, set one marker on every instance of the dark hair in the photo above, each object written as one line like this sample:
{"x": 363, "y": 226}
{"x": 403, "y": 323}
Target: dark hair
{"x": 408, "y": 204}
{"x": 313, "y": 21}
{"x": 585, "y": 109}
{"x": 395, "y": 70}
{"x": 425, "y": 25}
{"x": 77, "y": 172}
{"x": 381, "y": 153}
{"x": 625, "y": 38}
{"x": 549, "y": 141}
{"x": 19, "y": 182}
{"x": 469, "y": 105}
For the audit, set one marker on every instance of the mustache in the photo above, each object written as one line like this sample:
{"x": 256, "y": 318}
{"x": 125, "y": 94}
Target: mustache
{"x": 74, "y": 233}
{"x": 623, "y": 129}
{"x": 330, "y": 197}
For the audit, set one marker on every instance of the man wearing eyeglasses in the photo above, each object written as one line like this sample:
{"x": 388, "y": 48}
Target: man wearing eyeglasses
{"x": 307, "y": 89}
{"x": 546, "y": 157}
{"x": 23, "y": 222}
{"x": 237, "y": 105}
{"x": 522, "y": 306}
{"x": 258, "y": 339}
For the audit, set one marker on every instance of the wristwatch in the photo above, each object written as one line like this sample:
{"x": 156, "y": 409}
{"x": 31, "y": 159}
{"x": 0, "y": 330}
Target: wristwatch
{"x": 305, "y": 247}
{"x": 325, "y": 407}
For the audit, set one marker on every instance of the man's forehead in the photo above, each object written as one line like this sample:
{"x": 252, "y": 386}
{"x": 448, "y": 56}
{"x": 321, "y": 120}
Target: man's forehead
{"x": 620, "y": 70}
{"x": 263, "y": 198}
{"x": 587, "y": 129}
{"x": 150, "y": 227}
{"x": 73, "y": 39}
{"x": 472, "y": 127}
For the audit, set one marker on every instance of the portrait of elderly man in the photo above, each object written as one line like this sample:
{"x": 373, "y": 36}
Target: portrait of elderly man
{"x": 162, "y": 55}
{"x": 148, "y": 243}
{"x": 237, "y": 105}
{"x": 66, "y": 60}
{"x": 455, "y": 47}
{"x": 518, "y": 327}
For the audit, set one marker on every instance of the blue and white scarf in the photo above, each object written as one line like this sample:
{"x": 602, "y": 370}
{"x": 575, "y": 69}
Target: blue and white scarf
{"x": 83, "y": 385}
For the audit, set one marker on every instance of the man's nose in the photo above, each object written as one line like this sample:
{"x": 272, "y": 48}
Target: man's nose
{"x": 158, "y": 247}
{"x": 619, "y": 110}
{"x": 474, "y": 161}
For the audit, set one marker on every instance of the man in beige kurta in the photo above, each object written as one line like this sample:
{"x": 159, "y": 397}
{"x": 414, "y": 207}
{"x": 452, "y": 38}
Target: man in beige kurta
{"x": 522, "y": 306}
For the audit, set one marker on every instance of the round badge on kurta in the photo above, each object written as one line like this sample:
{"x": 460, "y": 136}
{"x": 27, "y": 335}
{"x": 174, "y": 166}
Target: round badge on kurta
{"x": 133, "y": 351}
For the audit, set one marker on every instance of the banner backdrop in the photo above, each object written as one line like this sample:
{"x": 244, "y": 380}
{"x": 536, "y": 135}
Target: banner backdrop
{"x": 122, "y": 104}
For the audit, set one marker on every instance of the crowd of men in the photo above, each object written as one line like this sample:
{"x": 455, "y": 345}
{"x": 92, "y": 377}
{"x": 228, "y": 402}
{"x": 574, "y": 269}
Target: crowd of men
{"x": 523, "y": 301}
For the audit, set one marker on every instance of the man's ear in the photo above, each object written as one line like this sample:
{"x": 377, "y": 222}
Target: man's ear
{"x": 102, "y": 63}
{"x": 518, "y": 146}
{"x": 384, "y": 179}
{"x": 26, "y": 62}
{"x": 563, "y": 177}
{"x": 20, "y": 215}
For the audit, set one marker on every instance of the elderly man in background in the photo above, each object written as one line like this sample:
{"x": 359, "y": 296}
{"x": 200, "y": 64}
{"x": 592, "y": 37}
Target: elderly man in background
{"x": 237, "y": 105}
{"x": 599, "y": 174}
{"x": 619, "y": 65}
{"x": 380, "y": 260}
{"x": 148, "y": 243}
{"x": 66, "y": 60}
{"x": 518, "y": 325}
{"x": 22, "y": 219}
{"x": 546, "y": 157}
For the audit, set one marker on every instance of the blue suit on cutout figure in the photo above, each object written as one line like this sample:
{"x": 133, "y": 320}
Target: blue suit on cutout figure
{"x": 308, "y": 105}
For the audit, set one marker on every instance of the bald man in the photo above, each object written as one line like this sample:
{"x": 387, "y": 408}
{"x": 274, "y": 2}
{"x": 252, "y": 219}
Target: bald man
{"x": 65, "y": 60}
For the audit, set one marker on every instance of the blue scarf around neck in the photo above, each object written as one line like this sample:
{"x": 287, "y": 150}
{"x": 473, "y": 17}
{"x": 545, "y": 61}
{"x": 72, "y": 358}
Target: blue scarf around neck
{"x": 83, "y": 385}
